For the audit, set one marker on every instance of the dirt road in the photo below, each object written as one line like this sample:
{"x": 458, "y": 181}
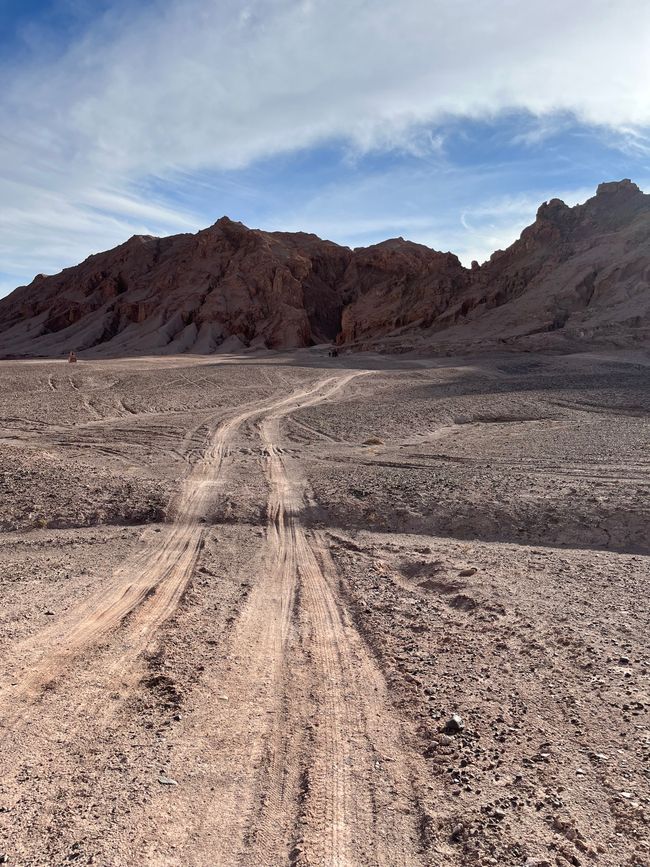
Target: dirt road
{"x": 303, "y": 708}
{"x": 252, "y": 682}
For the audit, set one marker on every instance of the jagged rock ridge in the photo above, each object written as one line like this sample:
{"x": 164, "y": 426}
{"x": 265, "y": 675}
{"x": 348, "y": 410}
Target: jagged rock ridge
{"x": 576, "y": 274}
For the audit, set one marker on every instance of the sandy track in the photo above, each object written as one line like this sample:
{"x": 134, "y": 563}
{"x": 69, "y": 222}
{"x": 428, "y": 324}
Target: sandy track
{"x": 306, "y": 754}
{"x": 305, "y": 735}
{"x": 151, "y": 583}
{"x": 344, "y": 770}
{"x": 201, "y": 694}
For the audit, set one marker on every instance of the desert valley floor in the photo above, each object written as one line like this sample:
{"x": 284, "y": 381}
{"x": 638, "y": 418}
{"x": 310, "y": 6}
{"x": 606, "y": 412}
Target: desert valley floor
{"x": 294, "y": 610}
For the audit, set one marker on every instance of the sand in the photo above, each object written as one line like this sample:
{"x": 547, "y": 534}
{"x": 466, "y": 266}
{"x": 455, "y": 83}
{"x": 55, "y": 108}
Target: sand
{"x": 293, "y": 610}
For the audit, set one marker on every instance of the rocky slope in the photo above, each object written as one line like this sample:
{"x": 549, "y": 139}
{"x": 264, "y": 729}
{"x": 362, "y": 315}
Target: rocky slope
{"x": 225, "y": 286}
{"x": 576, "y": 275}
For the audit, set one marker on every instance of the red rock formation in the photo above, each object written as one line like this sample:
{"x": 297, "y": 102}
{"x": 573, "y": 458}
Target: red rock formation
{"x": 575, "y": 275}
{"x": 184, "y": 293}
{"x": 398, "y": 286}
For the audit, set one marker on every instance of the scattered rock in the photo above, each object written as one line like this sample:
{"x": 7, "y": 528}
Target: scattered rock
{"x": 454, "y": 725}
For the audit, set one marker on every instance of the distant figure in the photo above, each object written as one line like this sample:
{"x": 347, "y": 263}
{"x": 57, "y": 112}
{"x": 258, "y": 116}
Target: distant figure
{"x": 72, "y": 358}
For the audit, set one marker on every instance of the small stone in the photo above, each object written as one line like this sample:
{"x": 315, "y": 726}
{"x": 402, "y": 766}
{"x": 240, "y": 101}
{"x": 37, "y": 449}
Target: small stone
{"x": 223, "y": 698}
{"x": 624, "y": 660}
{"x": 454, "y": 724}
{"x": 49, "y": 613}
{"x": 167, "y": 781}
{"x": 499, "y": 815}
{"x": 457, "y": 833}
{"x": 177, "y": 717}
{"x": 466, "y": 573}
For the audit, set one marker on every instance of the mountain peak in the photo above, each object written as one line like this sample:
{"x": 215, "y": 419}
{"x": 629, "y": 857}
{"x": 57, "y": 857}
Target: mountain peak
{"x": 626, "y": 187}
{"x": 576, "y": 274}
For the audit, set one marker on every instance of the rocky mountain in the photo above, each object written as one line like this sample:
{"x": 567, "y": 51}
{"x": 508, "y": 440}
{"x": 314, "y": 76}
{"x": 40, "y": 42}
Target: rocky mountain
{"x": 224, "y": 285}
{"x": 576, "y": 275}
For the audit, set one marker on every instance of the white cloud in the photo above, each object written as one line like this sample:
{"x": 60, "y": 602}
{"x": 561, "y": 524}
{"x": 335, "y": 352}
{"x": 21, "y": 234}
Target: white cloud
{"x": 181, "y": 86}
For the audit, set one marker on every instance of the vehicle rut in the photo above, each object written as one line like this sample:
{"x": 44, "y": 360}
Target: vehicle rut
{"x": 306, "y": 761}
{"x": 149, "y": 584}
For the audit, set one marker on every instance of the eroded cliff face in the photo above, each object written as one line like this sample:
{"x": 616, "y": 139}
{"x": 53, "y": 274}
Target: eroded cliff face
{"x": 575, "y": 274}
{"x": 398, "y": 286}
{"x": 579, "y": 274}
{"x": 184, "y": 293}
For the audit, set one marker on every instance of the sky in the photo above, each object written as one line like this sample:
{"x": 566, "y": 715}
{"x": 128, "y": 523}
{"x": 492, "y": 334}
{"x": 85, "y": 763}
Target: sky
{"x": 446, "y": 122}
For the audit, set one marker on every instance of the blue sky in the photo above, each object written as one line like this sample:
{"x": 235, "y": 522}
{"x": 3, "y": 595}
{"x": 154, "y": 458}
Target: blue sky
{"x": 446, "y": 123}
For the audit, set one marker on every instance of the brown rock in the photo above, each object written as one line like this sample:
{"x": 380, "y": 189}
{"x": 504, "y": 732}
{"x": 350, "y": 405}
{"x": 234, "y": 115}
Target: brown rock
{"x": 184, "y": 293}
{"x": 576, "y": 277}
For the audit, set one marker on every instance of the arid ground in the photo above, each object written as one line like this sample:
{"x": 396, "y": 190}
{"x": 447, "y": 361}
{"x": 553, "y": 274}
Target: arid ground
{"x": 293, "y": 610}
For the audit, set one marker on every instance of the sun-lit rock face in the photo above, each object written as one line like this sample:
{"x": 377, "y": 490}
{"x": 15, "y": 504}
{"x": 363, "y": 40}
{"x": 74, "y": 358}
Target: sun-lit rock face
{"x": 576, "y": 274}
{"x": 580, "y": 273}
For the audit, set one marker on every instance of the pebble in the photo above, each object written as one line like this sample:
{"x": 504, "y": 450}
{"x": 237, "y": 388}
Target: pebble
{"x": 454, "y": 724}
{"x": 167, "y": 781}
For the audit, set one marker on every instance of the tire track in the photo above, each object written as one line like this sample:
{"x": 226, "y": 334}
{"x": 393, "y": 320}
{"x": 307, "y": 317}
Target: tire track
{"x": 294, "y": 757}
{"x": 243, "y": 713}
{"x": 304, "y": 760}
{"x": 347, "y": 787}
{"x": 150, "y": 584}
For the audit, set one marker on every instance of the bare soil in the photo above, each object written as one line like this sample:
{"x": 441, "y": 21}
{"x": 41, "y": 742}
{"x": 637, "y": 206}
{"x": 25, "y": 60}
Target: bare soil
{"x": 292, "y": 610}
